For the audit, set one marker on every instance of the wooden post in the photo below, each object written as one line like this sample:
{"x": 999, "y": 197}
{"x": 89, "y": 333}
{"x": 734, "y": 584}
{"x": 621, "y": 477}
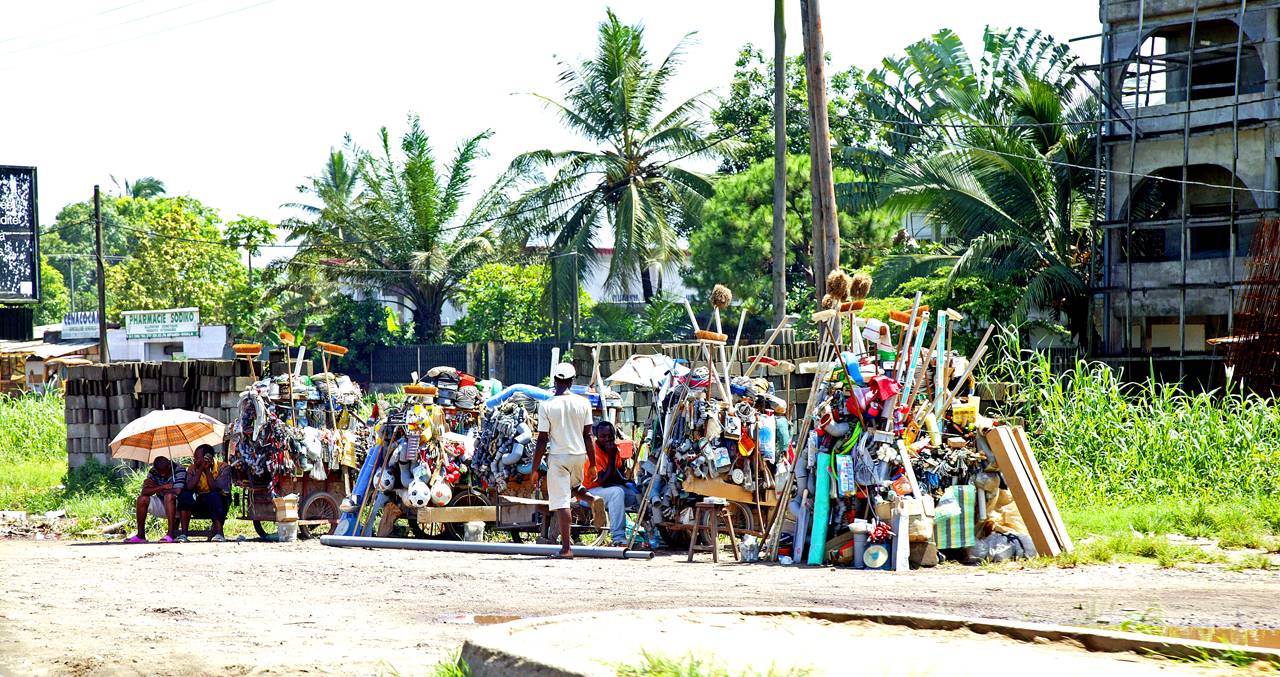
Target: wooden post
{"x": 779, "y": 164}
{"x": 103, "y": 354}
{"x": 826, "y": 234}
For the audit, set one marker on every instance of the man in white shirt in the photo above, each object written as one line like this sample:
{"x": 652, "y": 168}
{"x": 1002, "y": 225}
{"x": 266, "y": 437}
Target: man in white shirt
{"x": 564, "y": 435}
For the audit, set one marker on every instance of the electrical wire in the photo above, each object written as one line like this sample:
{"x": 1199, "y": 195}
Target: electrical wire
{"x": 97, "y": 31}
{"x": 64, "y": 24}
{"x": 1073, "y": 123}
{"x": 174, "y": 28}
{"x": 1115, "y": 172}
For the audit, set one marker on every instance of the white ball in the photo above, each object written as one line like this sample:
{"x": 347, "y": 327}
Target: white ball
{"x": 441, "y": 494}
{"x": 386, "y": 481}
{"x": 418, "y": 495}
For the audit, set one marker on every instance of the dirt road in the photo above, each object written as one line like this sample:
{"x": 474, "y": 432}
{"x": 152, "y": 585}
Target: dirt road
{"x": 267, "y": 608}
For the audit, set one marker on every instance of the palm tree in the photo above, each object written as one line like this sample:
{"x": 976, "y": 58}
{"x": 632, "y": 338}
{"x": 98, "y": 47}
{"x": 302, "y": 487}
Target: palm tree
{"x": 630, "y": 183}
{"x": 336, "y": 188}
{"x": 143, "y": 188}
{"x": 400, "y": 235}
{"x": 997, "y": 154}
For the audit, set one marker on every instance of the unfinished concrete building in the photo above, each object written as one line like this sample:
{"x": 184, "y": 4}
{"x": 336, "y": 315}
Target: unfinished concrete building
{"x": 1191, "y": 138}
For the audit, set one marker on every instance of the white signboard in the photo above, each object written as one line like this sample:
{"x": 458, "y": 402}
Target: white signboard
{"x": 156, "y": 324}
{"x": 81, "y": 325}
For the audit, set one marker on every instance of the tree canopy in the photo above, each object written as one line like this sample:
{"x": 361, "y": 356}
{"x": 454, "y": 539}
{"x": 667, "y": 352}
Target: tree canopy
{"x": 396, "y": 225}
{"x": 186, "y": 263}
{"x": 746, "y": 113}
{"x": 631, "y": 184}
{"x": 733, "y": 244}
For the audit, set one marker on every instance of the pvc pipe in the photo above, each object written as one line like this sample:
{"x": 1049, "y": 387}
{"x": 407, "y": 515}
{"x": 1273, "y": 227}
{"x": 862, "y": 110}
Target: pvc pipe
{"x": 482, "y": 548}
{"x": 940, "y": 357}
{"x": 821, "y": 510}
{"x": 531, "y": 391}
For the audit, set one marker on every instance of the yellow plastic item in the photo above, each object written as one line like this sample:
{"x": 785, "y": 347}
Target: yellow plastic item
{"x": 965, "y": 412}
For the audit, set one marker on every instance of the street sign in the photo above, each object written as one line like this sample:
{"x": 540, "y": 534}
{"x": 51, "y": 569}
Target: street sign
{"x": 81, "y": 325}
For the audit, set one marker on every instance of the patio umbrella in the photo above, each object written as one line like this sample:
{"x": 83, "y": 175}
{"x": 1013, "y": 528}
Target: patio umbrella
{"x": 172, "y": 433}
{"x": 646, "y": 371}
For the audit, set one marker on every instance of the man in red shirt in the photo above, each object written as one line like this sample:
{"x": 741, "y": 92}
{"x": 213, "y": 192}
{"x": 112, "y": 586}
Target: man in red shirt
{"x": 606, "y": 481}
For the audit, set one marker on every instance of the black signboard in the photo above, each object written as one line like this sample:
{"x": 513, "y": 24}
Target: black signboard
{"x": 19, "y": 236}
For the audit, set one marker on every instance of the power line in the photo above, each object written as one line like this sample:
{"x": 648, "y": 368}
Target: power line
{"x": 174, "y": 28}
{"x": 1115, "y": 172}
{"x": 97, "y": 31}
{"x": 64, "y": 24}
{"x": 1072, "y": 123}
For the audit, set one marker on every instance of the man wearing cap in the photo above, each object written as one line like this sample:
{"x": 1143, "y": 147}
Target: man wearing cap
{"x": 564, "y": 435}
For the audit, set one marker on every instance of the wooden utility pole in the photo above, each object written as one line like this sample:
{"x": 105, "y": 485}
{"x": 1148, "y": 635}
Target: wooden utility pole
{"x": 779, "y": 164}
{"x": 826, "y": 232}
{"x": 103, "y": 355}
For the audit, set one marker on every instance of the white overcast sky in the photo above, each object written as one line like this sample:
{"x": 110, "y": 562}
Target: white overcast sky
{"x": 237, "y": 101}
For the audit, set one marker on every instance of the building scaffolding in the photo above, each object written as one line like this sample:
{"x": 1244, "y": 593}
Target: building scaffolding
{"x": 1188, "y": 90}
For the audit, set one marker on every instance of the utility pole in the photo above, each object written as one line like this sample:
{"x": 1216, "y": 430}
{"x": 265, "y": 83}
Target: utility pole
{"x": 103, "y": 355}
{"x": 826, "y": 233}
{"x": 779, "y": 164}
{"x": 71, "y": 268}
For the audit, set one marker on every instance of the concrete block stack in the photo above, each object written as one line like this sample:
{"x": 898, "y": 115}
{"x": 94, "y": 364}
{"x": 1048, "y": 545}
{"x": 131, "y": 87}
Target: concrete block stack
{"x": 102, "y": 399}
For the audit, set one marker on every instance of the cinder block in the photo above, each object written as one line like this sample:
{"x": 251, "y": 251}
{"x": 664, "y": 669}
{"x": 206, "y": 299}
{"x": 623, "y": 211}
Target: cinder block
{"x": 149, "y": 385}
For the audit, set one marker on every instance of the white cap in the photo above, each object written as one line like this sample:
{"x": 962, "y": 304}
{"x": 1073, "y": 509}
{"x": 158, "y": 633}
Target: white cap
{"x": 564, "y": 372}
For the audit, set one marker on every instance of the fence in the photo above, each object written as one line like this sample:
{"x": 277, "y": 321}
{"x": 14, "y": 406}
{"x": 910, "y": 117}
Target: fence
{"x": 507, "y": 362}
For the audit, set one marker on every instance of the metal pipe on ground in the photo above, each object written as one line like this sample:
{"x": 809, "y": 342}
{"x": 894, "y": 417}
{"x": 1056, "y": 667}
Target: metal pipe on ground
{"x": 480, "y": 548}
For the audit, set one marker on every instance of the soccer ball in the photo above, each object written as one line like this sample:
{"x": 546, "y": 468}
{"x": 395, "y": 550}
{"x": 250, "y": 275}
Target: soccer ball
{"x": 441, "y": 494}
{"x": 386, "y": 481}
{"x": 418, "y": 495}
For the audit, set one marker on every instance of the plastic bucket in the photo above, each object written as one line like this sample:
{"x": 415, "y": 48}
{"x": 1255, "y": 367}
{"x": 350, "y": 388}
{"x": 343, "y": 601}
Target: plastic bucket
{"x": 286, "y": 532}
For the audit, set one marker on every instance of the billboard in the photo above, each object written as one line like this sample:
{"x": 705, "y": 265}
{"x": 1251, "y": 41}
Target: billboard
{"x": 19, "y": 236}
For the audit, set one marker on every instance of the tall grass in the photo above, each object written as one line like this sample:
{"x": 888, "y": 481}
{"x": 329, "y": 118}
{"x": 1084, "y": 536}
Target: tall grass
{"x": 1102, "y": 441}
{"x": 33, "y": 467}
{"x": 32, "y": 427}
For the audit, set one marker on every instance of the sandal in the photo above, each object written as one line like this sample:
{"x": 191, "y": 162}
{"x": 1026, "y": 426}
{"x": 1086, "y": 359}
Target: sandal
{"x": 167, "y": 539}
{"x": 219, "y": 538}
{"x": 183, "y": 539}
{"x": 135, "y": 539}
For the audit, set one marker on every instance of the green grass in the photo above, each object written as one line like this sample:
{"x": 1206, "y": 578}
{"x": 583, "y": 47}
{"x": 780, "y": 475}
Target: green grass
{"x": 657, "y": 665}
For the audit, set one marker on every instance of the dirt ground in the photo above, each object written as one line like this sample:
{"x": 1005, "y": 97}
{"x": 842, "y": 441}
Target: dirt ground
{"x": 268, "y": 608}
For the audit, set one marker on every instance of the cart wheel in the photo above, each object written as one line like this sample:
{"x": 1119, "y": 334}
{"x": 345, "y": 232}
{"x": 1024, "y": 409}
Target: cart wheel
{"x": 742, "y": 516}
{"x": 429, "y": 530}
{"x": 319, "y": 506}
{"x": 466, "y": 499}
{"x": 265, "y": 529}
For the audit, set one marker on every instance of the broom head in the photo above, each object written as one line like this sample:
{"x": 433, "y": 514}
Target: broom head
{"x": 421, "y": 389}
{"x": 331, "y": 348}
{"x": 705, "y": 336}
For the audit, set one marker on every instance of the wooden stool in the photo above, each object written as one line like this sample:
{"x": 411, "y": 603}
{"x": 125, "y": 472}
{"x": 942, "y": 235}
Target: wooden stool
{"x": 706, "y": 520}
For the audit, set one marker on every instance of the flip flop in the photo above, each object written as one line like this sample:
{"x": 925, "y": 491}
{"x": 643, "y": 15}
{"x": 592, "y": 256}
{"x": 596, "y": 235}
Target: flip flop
{"x": 167, "y": 539}
{"x": 560, "y": 555}
{"x": 135, "y": 539}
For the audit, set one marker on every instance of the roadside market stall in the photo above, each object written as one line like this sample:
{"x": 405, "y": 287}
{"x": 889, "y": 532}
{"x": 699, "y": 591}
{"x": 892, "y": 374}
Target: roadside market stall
{"x": 293, "y": 443}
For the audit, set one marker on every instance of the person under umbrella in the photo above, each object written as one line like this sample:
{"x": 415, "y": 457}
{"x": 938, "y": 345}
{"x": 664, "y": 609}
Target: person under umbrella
{"x": 159, "y": 497}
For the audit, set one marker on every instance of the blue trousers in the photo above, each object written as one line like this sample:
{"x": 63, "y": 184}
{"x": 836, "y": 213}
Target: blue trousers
{"x": 617, "y": 500}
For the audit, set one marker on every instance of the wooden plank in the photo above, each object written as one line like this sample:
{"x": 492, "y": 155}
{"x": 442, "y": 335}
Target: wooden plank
{"x": 1023, "y": 490}
{"x": 729, "y": 492}
{"x": 1046, "y": 497}
{"x": 458, "y": 514}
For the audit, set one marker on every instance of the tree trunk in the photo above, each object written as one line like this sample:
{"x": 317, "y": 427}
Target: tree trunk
{"x": 826, "y": 234}
{"x": 779, "y": 165}
{"x": 646, "y": 284}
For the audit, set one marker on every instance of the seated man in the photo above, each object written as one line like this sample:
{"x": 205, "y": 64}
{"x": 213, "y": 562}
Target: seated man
{"x": 206, "y": 493}
{"x": 160, "y": 497}
{"x": 608, "y": 483}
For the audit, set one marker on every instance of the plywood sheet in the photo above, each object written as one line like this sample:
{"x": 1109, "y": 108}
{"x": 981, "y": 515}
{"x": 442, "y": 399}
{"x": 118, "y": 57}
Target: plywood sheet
{"x": 1016, "y": 475}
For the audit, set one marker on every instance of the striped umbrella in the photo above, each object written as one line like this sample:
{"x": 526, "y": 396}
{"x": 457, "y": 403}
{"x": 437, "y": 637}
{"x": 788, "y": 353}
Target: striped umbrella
{"x": 172, "y": 433}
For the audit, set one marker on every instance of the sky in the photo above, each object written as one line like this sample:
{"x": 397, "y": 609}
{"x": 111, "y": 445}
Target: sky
{"x": 236, "y": 102}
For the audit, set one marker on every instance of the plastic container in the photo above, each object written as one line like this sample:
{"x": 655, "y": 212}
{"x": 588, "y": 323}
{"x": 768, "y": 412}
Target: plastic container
{"x": 965, "y": 412}
{"x": 286, "y": 532}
